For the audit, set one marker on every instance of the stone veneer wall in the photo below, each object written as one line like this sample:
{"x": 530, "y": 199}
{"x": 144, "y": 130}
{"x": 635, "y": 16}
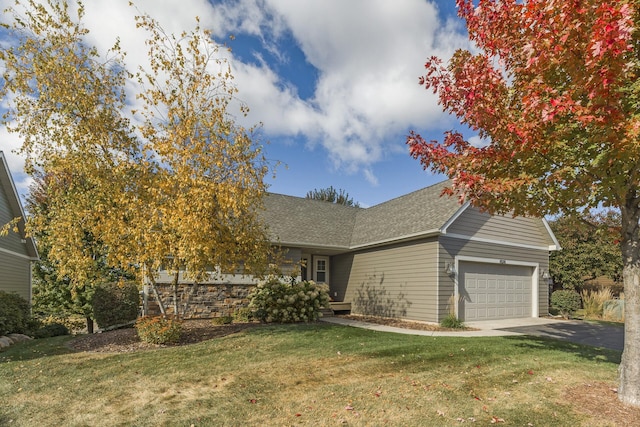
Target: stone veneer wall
{"x": 203, "y": 301}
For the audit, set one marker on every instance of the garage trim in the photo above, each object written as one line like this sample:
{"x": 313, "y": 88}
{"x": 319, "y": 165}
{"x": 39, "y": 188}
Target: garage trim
{"x": 535, "y": 312}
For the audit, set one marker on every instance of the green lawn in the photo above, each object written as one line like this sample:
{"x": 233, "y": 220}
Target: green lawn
{"x": 317, "y": 374}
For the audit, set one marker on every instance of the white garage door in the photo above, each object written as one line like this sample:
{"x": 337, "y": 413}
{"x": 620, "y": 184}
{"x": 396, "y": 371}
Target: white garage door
{"x": 494, "y": 291}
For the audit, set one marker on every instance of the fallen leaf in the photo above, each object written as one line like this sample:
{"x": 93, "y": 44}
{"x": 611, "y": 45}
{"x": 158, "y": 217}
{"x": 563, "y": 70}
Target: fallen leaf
{"x": 253, "y": 400}
{"x": 298, "y": 414}
{"x": 440, "y": 413}
{"x": 495, "y": 420}
{"x": 530, "y": 372}
{"x": 348, "y": 408}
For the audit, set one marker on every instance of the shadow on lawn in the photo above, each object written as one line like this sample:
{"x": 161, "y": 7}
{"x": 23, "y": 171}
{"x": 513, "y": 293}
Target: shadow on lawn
{"x": 584, "y": 351}
{"x": 35, "y": 349}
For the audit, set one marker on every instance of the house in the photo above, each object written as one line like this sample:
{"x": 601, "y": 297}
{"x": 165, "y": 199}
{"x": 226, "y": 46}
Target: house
{"x": 417, "y": 257}
{"x": 17, "y": 251}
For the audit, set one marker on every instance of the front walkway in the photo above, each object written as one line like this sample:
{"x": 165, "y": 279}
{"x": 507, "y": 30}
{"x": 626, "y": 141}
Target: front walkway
{"x": 580, "y": 332}
{"x": 488, "y": 328}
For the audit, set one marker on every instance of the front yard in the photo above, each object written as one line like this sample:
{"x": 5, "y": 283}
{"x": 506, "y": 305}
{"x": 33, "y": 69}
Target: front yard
{"x": 316, "y": 374}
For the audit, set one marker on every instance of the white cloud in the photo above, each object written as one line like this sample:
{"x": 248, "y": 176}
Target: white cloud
{"x": 478, "y": 142}
{"x": 368, "y": 55}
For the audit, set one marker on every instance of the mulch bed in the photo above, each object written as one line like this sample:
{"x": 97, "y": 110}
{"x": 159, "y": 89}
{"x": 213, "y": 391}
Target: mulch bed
{"x": 127, "y": 340}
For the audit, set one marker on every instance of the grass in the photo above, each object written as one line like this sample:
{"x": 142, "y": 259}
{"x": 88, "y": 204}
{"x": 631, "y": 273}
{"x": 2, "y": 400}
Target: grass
{"x": 317, "y": 374}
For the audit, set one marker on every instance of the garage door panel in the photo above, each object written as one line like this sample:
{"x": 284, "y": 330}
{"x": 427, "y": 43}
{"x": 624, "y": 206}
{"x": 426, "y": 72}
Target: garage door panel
{"x": 494, "y": 291}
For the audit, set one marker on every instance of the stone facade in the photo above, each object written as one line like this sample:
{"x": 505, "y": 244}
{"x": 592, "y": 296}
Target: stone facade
{"x": 202, "y": 301}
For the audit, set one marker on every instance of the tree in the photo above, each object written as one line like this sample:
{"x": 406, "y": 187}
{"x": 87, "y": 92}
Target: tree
{"x": 53, "y": 293}
{"x": 589, "y": 249}
{"x": 553, "y": 89}
{"x": 330, "y": 194}
{"x": 181, "y": 190}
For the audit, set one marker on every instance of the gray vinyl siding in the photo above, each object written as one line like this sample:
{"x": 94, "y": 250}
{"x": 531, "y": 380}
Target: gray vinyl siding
{"x": 450, "y": 248}
{"x": 15, "y": 275}
{"x": 520, "y": 230}
{"x": 393, "y": 281}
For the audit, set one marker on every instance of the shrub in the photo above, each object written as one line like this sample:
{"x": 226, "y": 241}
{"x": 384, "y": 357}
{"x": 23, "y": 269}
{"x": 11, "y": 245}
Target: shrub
{"x": 593, "y": 301}
{"x": 285, "y": 302}
{"x": 115, "y": 303}
{"x": 158, "y": 329}
{"x": 452, "y": 322}
{"x": 15, "y": 314}
{"x": 243, "y": 315}
{"x": 566, "y": 302}
{"x": 222, "y": 320}
{"x": 71, "y": 322}
{"x": 51, "y": 330}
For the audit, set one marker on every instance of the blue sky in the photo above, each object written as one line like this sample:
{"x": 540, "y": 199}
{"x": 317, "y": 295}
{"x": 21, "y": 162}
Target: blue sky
{"x": 333, "y": 82}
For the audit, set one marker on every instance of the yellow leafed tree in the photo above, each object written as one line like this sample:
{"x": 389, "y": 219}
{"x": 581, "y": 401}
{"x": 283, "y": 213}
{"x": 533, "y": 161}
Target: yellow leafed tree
{"x": 179, "y": 188}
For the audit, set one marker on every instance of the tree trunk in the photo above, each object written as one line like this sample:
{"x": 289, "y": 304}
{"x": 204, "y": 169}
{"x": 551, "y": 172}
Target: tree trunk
{"x": 156, "y": 294}
{"x": 629, "y": 370}
{"x": 176, "y": 279}
{"x": 89, "y": 325}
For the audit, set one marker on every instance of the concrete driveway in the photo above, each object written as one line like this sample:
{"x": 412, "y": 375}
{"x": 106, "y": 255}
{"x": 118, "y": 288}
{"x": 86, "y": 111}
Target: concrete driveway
{"x": 581, "y": 332}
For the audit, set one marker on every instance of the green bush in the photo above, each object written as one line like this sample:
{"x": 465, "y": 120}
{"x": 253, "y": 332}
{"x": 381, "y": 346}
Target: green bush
{"x": 115, "y": 303}
{"x": 452, "y": 322}
{"x": 243, "y": 315}
{"x": 15, "y": 314}
{"x": 566, "y": 302}
{"x": 159, "y": 329}
{"x": 222, "y": 320}
{"x": 51, "y": 330}
{"x": 285, "y": 302}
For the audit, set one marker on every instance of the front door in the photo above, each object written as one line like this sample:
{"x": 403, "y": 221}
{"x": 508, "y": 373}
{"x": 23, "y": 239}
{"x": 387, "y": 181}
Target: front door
{"x": 321, "y": 269}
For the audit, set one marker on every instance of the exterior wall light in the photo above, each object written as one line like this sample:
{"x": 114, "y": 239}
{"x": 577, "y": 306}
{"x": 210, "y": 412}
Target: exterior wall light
{"x": 449, "y": 269}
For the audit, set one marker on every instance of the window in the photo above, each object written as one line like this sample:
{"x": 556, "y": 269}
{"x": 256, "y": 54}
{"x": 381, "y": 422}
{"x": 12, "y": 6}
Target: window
{"x": 321, "y": 271}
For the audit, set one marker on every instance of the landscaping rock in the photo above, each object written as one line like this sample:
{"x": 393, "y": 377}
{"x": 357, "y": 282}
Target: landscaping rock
{"x": 19, "y": 337}
{"x": 5, "y": 342}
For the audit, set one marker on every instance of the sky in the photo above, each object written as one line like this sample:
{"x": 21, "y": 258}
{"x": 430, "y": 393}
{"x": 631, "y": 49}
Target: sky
{"x": 333, "y": 83}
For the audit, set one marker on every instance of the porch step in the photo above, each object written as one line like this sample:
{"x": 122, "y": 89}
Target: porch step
{"x": 327, "y": 312}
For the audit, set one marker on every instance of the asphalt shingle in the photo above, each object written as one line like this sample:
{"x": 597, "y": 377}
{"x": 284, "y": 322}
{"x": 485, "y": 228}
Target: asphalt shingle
{"x": 296, "y": 221}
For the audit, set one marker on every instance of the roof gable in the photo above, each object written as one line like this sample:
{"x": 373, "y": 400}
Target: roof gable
{"x": 12, "y": 208}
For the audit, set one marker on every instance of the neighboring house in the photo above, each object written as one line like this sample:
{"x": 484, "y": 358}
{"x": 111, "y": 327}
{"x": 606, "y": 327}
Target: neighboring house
{"x": 17, "y": 251}
{"x": 419, "y": 256}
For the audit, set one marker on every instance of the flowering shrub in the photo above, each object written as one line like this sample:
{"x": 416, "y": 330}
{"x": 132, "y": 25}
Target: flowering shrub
{"x": 159, "y": 329}
{"x": 278, "y": 301}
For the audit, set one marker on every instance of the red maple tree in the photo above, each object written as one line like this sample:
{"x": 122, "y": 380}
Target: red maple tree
{"x": 553, "y": 90}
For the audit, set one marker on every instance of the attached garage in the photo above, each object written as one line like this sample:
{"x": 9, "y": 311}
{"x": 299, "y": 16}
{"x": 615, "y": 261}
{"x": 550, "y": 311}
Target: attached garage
{"x": 489, "y": 291}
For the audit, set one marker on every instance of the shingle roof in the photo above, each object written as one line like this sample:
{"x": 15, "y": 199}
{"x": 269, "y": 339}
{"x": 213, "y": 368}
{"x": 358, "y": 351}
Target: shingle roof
{"x": 296, "y": 221}
{"x": 415, "y": 213}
